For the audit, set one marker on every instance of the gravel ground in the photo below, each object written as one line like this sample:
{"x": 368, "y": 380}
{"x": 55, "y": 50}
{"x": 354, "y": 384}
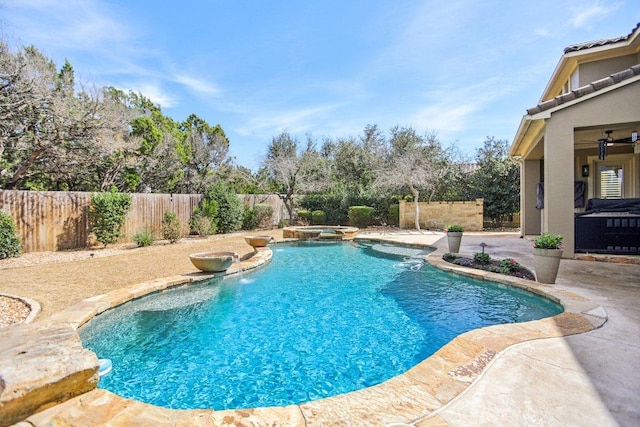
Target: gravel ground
{"x": 59, "y": 279}
{"x": 12, "y": 311}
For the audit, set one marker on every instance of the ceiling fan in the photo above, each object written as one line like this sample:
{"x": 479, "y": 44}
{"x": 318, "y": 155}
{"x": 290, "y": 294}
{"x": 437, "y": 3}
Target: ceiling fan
{"x": 609, "y": 141}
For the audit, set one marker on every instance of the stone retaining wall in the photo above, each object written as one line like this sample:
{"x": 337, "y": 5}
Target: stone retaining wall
{"x": 437, "y": 215}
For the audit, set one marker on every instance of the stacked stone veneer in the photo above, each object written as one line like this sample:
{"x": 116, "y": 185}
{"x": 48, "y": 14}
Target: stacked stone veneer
{"x": 437, "y": 215}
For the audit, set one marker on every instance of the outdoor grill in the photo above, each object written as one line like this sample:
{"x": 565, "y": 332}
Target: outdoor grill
{"x": 609, "y": 227}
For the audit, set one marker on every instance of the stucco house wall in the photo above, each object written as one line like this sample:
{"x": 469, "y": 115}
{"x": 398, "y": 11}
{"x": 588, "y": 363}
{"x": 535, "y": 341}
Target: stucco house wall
{"x": 561, "y": 134}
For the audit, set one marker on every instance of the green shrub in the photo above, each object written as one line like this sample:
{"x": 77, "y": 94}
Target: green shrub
{"x": 143, "y": 238}
{"x": 394, "y": 215}
{"x": 548, "y": 241}
{"x": 264, "y": 215}
{"x": 107, "y": 214}
{"x": 304, "y": 215}
{"x": 204, "y": 220}
{"x": 9, "y": 243}
{"x": 249, "y": 219}
{"x": 360, "y": 216}
{"x": 449, "y": 257}
{"x": 457, "y": 228}
{"x": 171, "y": 227}
{"x": 318, "y": 217}
{"x": 201, "y": 224}
{"x": 508, "y": 266}
{"x": 482, "y": 257}
{"x": 230, "y": 207}
{"x": 332, "y": 204}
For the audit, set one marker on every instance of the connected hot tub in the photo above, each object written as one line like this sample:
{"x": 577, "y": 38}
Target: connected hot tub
{"x": 320, "y": 232}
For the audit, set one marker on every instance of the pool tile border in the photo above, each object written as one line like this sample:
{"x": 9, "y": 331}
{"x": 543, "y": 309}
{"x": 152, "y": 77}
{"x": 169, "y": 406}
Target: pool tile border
{"x": 411, "y": 398}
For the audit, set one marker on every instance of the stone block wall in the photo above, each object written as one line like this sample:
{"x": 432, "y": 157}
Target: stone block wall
{"x": 437, "y": 215}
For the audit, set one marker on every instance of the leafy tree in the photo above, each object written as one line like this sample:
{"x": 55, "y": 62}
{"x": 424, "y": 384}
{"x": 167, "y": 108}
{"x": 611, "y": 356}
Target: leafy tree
{"x": 204, "y": 149}
{"x": 158, "y": 165}
{"x": 354, "y": 162}
{"x": 415, "y": 163}
{"x": 246, "y": 182}
{"x": 230, "y": 208}
{"x": 50, "y": 135}
{"x": 58, "y": 133}
{"x": 497, "y": 180}
{"x": 107, "y": 214}
{"x": 293, "y": 168}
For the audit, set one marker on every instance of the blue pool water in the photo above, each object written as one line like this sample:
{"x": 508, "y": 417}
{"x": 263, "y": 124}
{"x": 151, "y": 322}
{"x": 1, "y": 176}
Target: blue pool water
{"x": 321, "y": 319}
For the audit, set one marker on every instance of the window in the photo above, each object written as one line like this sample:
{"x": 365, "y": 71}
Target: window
{"x": 609, "y": 181}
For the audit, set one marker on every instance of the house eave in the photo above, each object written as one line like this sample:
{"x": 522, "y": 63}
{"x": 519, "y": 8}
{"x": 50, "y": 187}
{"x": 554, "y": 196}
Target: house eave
{"x": 546, "y": 114}
{"x": 571, "y": 60}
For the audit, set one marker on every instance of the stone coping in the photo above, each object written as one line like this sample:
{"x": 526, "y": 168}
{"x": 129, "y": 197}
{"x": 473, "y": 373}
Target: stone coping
{"x": 414, "y": 397}
{"x": 78, "y": 314}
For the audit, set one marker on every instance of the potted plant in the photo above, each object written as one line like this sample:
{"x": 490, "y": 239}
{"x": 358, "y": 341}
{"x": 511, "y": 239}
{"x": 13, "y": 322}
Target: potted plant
{"x": 454, "y": 237}
{"x": 547, "y": 251}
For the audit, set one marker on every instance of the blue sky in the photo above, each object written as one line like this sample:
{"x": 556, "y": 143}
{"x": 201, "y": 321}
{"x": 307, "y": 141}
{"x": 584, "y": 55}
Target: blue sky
{"x": 465, "y": 69}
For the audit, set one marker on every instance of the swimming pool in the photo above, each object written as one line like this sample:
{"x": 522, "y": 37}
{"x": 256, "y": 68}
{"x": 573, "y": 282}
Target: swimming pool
{"x": 321, "y": 319}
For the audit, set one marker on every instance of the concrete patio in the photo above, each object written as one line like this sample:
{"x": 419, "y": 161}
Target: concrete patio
{"x": 580, "y": 380}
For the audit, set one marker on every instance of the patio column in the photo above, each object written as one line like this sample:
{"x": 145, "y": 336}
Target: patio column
{"x": 530, "y": 217}
{"x": 558, "y": 183}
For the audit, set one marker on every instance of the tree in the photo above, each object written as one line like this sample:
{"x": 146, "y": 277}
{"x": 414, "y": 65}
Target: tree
{"x": 51, "y": 136}
{"x": 57, "y": 133}
{"x": 229, "y": 206}
{"x": 158, "y": 164}
{"x": 205, "y": 149}
{"x": 415, "y": 163}
{"x": 293, "y": 168}
{"x": 497, "y": 180}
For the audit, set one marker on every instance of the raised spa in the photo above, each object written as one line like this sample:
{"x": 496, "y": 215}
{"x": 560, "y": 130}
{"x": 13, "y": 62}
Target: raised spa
{"x": 323, "y": 318}
{"x": 320, "y": 232}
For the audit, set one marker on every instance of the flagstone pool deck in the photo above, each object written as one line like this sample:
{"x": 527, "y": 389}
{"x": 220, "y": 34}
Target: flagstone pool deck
{"x": 577, "y": 368}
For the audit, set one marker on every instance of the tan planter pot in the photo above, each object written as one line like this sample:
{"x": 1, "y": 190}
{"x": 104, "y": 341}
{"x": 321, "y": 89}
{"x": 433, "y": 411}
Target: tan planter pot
{"x": 454, "y": 238}
{"x": 213, "y": 261}
{"x": 547, "y": 263}
{"x": 258, "y": 241}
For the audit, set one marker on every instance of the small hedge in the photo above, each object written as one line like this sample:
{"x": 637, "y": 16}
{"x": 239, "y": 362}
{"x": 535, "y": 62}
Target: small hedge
{"x": 305, "y": 215}
{"x": 204, "y": 220}
{"x": 107, "y": 215}
{"x": 318, "y": 217}
{"x": 264, "y": 215}
{"x": 360, "y": 216}
{"x": 9, "y": 243}
{"x": 249, "y": 219}
{"x": 394, "y": 215}
{"x": 143, "y": 238}
{"x": 171, "y": 227}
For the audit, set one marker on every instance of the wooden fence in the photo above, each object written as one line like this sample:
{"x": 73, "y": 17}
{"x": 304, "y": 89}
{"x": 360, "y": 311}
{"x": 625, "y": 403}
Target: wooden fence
{"x": 54, "y": 221}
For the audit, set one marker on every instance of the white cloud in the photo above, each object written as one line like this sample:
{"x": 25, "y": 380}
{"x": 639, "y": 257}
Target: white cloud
{"x": 272, "y": 122}
{"x": 155, "y": 93}
{"x": 72, "y": 24}
{"x": 541, "y": 31}
{"x": 448, "y": 108}
{"x": 445, "y": 117}
{"x": 586, "y": 16}
{"x": 197, "y": 85}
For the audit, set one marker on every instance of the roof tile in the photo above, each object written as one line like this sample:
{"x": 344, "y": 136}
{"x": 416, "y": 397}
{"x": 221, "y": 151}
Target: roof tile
{"x": 598, "y": 43}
